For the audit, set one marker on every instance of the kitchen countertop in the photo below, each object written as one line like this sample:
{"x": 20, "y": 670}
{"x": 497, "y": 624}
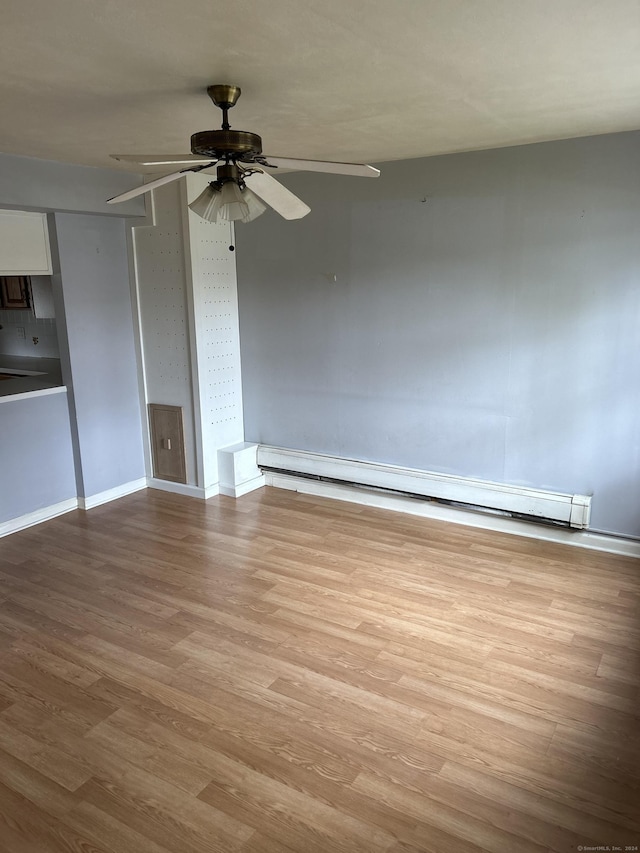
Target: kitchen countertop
{"x": 49, "y": 368}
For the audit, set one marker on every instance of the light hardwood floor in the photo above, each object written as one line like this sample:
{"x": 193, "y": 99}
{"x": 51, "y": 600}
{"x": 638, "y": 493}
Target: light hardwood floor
{"x": 284, "y": 673}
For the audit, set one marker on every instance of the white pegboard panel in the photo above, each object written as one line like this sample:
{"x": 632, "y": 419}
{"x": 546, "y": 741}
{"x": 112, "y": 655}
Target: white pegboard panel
{"x": 217, "y": 337}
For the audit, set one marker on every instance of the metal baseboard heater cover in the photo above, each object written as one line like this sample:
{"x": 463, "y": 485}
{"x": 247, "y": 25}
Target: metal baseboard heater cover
{"x": 571, "y": 510}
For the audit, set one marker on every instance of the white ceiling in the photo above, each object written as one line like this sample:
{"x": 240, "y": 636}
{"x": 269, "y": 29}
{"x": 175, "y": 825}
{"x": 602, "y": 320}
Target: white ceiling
{"x": 369, "y": 80}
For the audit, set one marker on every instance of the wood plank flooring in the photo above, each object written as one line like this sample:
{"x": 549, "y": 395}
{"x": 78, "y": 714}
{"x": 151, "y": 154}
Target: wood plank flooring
{"x": 286, "y": 674}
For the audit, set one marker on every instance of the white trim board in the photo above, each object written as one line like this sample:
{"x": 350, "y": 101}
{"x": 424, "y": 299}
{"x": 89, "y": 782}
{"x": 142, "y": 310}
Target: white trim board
{"x": 49, "y": 512}
{"x": 243, "y": 488}
{"x": 13, "y": 525}
{"x": 429, "y": 509}
{"x": 41, "y": 392}
{"x": 37, "y": 517}
{"x": 112, "y": 494}
{"x": 183, "y": 489}
{"x": 573, "y": 510}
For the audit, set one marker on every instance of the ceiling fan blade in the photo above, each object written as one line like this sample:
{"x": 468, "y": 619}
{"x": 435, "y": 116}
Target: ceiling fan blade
{"x": 145, "y": 188}
{"x": 358, "y": 169}
{"x": 161, "y": 159}
{"x": 284, "y": 202}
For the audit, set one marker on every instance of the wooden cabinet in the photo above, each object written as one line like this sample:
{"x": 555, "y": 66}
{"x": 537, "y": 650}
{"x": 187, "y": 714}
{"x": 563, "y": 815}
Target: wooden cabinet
{"x": 28, "y": 292}
{"x": 24, "y": 243}
{"x": 14, "y": 292}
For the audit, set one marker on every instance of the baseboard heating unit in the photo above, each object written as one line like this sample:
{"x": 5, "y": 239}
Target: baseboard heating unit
{"x": 479, "y": 495}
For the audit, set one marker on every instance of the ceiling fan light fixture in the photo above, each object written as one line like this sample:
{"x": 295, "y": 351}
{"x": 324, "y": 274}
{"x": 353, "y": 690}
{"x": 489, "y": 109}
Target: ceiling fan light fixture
{"x": 238, "y": 156}
{"x": 227, "y": 203}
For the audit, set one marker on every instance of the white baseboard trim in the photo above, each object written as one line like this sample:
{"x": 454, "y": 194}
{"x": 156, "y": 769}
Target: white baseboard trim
{"x": 243, "y": 488}
{"x": 183, "y": 489}
{"x": 211, "y": 491}
{"x": 112, "y": 494}
{"x": 40, "y": 515}
{"x": 429, "y": 509}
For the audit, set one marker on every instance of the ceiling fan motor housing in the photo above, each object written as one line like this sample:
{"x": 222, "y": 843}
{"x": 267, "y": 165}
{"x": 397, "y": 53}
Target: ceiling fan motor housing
{"x": 236, "y": 144}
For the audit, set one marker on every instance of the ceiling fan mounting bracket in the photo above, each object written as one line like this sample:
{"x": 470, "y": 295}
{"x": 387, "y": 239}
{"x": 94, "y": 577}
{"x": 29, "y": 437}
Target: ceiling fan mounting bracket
{"x": 223, "y": 95}
{"x": 236, "y": 144}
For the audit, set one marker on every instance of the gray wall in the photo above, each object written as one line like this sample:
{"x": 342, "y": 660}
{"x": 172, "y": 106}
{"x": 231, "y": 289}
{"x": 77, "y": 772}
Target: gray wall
{"x": 163, "y": 301}
{"x": 99, "y": 355}
{"x": 36, "y": 461}
{"x": 484, "y": 320}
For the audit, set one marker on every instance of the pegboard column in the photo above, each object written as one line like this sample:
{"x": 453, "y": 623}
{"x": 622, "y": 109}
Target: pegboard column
{"x": 215, "y": 325}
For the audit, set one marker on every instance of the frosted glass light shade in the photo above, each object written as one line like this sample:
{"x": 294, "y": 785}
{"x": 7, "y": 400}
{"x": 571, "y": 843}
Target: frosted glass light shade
{"x": 233, "y": 205}
{"x": 255, "y": 206}
{"x": 208, "y": 203}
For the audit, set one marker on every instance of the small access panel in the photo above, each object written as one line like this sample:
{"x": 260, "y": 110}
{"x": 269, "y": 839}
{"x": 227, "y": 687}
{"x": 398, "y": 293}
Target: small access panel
{"x": 167, "y": 443}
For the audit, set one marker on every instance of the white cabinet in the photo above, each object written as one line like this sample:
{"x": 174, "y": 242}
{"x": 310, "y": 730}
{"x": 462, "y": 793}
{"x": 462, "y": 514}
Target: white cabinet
{"x": 24, "y": 243}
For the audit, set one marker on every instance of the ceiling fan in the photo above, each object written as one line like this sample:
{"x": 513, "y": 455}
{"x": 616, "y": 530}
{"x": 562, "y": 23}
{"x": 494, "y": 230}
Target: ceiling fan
{"x": 242, "y": 188}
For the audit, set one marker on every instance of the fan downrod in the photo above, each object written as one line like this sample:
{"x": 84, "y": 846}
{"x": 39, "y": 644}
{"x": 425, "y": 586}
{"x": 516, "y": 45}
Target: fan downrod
{"x": 226, "y": 143}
